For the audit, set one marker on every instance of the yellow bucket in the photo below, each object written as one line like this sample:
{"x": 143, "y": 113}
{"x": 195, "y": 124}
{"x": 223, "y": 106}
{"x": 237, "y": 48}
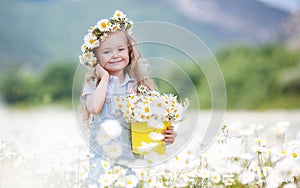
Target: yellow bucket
{"x": 141, "y": 141}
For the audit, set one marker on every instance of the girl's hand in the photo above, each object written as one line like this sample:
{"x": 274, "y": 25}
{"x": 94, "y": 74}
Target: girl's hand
{"x": 169, "y": 134}
{"x": 100, "y": 72}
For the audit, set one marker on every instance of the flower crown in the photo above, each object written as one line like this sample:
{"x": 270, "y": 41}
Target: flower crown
{"x": 99, "y": 32}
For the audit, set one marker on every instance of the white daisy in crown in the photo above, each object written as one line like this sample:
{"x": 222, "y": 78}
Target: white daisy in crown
{"x": 119, "y": 15}
{"x": 90, "y": 41}
{"x": 103, "y": 25}
{"x": 84, "y": 47}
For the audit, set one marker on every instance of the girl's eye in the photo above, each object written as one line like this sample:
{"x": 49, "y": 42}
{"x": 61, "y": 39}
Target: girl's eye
{"x": 121, "y": 49}
{"x": 106, "y": 52}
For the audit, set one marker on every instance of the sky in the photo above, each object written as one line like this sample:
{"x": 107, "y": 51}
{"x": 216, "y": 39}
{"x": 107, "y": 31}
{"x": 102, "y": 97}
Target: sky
{"x": 287, "y": 5}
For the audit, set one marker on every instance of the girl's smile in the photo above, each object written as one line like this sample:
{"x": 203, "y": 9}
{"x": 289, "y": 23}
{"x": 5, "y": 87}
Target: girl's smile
{"x": 116, "y": 62}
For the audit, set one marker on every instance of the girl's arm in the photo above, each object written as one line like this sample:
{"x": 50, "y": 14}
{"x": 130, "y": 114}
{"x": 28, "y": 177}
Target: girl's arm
{"x": 94, "y": 102}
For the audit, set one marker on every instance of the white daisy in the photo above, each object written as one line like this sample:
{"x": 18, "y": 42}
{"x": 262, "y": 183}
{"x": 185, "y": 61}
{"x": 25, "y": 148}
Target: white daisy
{"x": 88, "y": 55}
{"x": 113, "y": 150}
{"x": 112, "y": 128}
{"x": 91, "y": 41}
{"x": 142, "y": 89}
{"x": 261, "y": 141}
{"x": 215, "y": 177}
{"x": 115, "y": 27}
{"x": 294, "y": 143}
{"x": 150, "y": 181}
{"x": 103, "y": 25}
{"x": 107, "y": 179}
{"x": 103, "y": 37}
{"x": 119, "y": 15}
{"x": 127, "y": 181}
{"x": 83, "y": 173}
{"x": 141, "y": 173}
{"x": 119, "y": 171}
{"x": 106, "y": 165}
{"x": 92, "y": 61}
{"x": 102, "y": 137}
{"x": 158, "y": 107}
{"x": 83, "y": 47}
{"x": 88, "y": 59}
{"x": 154, "y": 93}
{"x": 203, "y": 173}
{"x": 295, "y": 155}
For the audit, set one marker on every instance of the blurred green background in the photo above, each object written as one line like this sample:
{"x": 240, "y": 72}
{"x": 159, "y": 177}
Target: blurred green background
{"x": 256, "y": 45}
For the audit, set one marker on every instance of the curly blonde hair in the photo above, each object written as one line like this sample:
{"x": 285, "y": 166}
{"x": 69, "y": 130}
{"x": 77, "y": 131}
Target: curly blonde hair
{"x": 137, "y": 69}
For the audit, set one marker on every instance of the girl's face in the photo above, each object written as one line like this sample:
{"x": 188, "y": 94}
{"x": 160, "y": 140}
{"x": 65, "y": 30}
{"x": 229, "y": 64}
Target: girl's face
{"x": 113, "y": 53}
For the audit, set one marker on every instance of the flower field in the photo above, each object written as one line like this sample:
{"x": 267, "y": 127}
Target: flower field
{"x": 43, "y": 148}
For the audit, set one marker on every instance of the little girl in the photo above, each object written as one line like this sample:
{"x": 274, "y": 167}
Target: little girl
{"x": 117, "y": 71}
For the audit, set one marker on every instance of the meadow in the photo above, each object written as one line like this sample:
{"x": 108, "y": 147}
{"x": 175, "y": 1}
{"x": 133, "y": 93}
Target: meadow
{"x": 43, "y": 147}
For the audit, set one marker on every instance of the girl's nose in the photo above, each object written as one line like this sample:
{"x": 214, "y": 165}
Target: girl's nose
{"x": 115, "y": 55}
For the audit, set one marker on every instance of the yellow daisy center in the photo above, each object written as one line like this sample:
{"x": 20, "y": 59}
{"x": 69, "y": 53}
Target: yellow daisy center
{"x": 94, "y": 61}
{"x": 115, "y": 28}
{"x": 103, "y": 25}
{"x": 294, "y": 155}
{"x": 91, "y": 41}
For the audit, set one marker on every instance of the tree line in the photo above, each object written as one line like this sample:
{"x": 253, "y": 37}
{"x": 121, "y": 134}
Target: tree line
{"x": 259, "y": 77}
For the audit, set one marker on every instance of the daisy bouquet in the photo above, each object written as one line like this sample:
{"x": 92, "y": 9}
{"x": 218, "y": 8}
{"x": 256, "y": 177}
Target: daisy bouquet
{"x": 150, "y": 112}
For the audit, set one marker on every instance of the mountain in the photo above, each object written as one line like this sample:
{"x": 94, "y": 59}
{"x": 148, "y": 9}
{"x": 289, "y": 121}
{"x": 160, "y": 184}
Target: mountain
{"x": 34, "y": 32}
{"x": 291, "y": 32}
{"x": 249, "y": 21}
